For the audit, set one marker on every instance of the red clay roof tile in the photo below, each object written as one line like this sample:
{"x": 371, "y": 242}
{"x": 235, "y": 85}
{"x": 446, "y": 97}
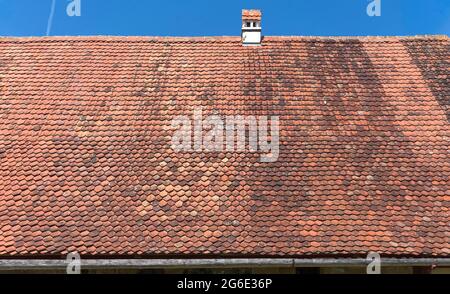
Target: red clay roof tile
{"x": 86, "y": 163}
{"x": 251, "y": 14}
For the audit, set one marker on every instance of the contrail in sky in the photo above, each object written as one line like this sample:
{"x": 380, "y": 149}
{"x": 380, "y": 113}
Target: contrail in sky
{"x": 50, "y": 18}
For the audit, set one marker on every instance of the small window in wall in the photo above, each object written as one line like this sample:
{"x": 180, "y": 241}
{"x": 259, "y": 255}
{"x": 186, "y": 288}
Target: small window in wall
{"x": 209, "y": 271}
{"x": 247, "y": 24}
{"x": 307, "y": 270}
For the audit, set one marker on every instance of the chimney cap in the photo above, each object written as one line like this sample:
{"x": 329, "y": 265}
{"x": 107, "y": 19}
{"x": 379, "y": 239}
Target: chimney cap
{"x": 251, "y": 14}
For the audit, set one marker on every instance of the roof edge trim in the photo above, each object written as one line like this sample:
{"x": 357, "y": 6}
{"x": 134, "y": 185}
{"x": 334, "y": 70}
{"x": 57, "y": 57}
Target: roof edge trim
{"x": 214, "y": 38}
{"x": 27, "y": 264}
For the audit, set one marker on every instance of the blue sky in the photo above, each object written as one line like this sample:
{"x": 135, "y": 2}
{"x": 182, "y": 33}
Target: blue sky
{"x": 222, "y": 17}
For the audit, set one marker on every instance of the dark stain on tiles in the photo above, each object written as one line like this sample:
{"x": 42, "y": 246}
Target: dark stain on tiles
{"x": 433, "y": 61}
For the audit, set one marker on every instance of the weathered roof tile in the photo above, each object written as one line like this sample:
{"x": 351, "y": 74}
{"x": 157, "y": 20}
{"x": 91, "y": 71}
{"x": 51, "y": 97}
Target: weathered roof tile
{"x": 86, "y": 162}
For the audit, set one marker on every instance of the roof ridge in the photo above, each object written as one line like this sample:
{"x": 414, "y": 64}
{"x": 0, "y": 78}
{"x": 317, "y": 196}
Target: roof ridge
{"x": 215, "y": 38}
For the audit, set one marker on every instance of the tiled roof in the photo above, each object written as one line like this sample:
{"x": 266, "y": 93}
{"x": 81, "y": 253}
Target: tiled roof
{"x": 251, "y": 14}
{"x": 86, "y": 162}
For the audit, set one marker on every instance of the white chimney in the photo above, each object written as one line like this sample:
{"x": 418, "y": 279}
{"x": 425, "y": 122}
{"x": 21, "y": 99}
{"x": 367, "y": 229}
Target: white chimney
{"x": 251, "y": 27}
